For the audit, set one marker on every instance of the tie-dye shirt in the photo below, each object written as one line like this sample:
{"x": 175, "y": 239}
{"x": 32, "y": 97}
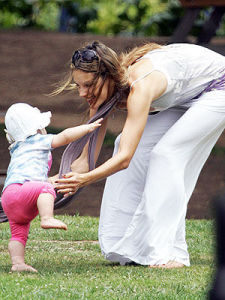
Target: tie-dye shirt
{"x": 30, "y": 160}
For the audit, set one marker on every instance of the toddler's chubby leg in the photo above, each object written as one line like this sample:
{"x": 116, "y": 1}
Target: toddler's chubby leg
{"x": 17, "y": 251}
{"x": 45, "y": 204}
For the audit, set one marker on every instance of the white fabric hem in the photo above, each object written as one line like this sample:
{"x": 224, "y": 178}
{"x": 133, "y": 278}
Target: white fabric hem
{"x": 115, "y": 257}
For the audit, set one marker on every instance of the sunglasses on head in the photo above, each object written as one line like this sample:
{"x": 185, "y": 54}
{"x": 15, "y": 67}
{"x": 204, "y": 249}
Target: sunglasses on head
{"x": 85, "y": 56}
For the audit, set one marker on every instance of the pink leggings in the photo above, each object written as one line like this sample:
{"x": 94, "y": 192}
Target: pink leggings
{"x": 19, "y": 202}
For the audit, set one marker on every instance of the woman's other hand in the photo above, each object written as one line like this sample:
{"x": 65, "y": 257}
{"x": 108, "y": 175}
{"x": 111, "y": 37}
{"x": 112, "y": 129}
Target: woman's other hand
{"x": 69, "y": 184}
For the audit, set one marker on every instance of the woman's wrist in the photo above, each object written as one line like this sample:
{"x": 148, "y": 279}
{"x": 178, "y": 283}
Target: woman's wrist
{"x": 84, "y": 179}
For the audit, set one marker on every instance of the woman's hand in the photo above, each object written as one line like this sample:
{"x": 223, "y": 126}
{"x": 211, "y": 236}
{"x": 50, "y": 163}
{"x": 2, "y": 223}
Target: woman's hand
{"x": 69, "y": 184}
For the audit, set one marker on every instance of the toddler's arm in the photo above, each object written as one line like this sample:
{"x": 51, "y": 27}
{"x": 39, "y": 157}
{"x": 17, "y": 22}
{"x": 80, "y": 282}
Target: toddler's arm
{"x": 71, "y": 134}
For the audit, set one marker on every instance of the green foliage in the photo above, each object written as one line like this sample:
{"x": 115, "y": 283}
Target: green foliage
{"x": 221, "y": 31}
{"x": 124, "y": 17}
{"x": 40, "y": 14}
{"x": 164, "y": 22}
{"x": 129, "y": 17}
{"x": 47, "y": 18}
{"x": 71, "y": 266}
{"x": 107, "y": 10}
{"x": 99, "y": 17}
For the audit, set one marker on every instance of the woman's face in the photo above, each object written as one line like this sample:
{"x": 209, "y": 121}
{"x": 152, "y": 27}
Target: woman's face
{"x": 88, "y": 90}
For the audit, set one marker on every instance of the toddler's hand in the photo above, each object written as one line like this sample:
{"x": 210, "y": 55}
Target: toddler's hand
{"x": 53, "y": 179}
{"x": 94, "y": 125}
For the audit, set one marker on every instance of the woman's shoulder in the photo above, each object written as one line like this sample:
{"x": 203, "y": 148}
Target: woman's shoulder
{"x": 138, "y": 69}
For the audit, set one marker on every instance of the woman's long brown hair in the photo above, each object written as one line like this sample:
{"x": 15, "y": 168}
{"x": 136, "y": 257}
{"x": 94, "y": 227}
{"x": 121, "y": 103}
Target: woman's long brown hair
{"x": 111, "y": 66}
{"x": 129, "y": 58}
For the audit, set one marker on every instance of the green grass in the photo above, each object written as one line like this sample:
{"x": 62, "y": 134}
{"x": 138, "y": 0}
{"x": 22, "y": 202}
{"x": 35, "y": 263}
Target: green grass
{"x": 71, "y": 266}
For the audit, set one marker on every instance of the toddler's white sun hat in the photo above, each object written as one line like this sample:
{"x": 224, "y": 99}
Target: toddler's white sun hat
{"x": 22, "y": 120}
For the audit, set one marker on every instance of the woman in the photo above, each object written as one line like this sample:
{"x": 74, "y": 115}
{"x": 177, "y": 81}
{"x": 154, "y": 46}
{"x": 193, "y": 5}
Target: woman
{"x": 175, "y": 101}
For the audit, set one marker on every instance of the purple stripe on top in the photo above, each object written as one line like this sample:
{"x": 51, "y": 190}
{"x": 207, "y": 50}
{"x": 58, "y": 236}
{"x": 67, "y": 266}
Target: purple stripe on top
{"x": 216, "y": 84}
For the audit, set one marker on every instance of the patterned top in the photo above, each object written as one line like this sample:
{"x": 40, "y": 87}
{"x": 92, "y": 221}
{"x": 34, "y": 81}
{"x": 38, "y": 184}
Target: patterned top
{"x": 30, "y": 160}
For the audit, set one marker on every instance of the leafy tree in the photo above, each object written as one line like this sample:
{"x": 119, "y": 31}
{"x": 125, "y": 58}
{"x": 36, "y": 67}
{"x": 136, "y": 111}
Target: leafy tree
{"x": 23, "y": 13}
{"x": 124, "y": 17}
{"x": 74, "y": 17}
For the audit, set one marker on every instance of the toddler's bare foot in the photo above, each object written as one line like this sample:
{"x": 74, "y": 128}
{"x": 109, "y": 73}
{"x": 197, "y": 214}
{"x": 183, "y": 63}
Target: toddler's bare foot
{"x": 170, "y": 265}
{"x": 52, "y": 223}
{"x": 23, "y": 268}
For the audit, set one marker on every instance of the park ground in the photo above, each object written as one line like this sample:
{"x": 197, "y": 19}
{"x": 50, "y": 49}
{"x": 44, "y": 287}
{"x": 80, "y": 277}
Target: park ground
{"x": 33, "y": 61}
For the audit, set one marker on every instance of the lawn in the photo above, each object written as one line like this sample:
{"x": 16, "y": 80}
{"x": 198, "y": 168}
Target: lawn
{"x": 71, "y": 266}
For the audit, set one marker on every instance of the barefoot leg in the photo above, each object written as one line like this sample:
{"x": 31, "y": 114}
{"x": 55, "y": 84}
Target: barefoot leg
{"x": 23, "y": 268}
{"x": 17, "y": 252}
{"x": 45, "y": 204}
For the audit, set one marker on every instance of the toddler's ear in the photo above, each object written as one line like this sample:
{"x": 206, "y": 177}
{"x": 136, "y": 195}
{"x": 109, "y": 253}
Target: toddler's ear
{"x": 9, "y": 138}
{"x": 42, "y": 131}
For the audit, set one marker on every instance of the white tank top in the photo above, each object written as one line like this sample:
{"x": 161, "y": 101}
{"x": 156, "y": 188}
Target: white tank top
{"x": 188, "y": 69}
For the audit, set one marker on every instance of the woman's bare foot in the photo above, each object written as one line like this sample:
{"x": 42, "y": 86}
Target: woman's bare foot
{"x": 170, "y": 265}
{"x": 23, "y": 268}
{"x": 52, "y": 223}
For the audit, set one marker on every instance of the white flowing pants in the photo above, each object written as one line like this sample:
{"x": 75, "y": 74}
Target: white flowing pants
{"x": 144, "y": 206}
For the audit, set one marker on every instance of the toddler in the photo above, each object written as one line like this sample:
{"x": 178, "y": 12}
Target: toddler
{"x": 26, "y": 191}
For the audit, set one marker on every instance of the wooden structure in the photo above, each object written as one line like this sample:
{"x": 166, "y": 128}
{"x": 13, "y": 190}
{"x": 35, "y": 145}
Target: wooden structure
{"x": 202, "y": 3}
{"x": 192, "y": 9}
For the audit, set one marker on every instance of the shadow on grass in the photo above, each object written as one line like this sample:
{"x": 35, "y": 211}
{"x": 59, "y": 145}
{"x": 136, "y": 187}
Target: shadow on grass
{"x": 5, "y": 269}
{"x": 201, "y": 261}
{"x": 79, "y": 266}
